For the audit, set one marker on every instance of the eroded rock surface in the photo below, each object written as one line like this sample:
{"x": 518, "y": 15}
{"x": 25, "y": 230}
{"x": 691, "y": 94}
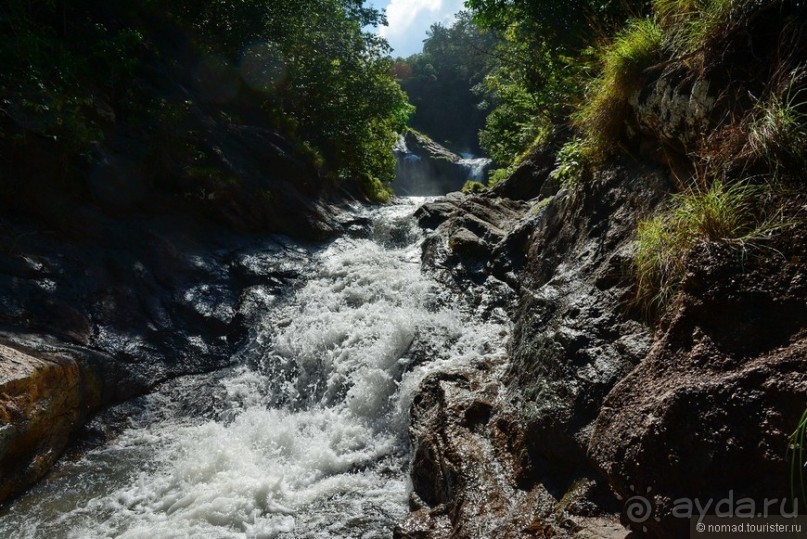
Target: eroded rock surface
{"x": 142, "y": 301}
{"x": 468, "y": 465}
{"x": 595, "y": 401}
{"x": 557, "y": 265}
{"x": 708, "y": 413}
{"x": 42, "y": 400}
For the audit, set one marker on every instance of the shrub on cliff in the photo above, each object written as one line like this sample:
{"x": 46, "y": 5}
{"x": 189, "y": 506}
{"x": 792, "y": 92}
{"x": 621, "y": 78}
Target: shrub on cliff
{"x": 541, "y": 64}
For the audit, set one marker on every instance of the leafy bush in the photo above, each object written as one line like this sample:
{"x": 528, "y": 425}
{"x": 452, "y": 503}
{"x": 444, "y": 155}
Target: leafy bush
{"x": 570, "y": 162}
{"x": 472, "y": 186}
{"x": 603, "y": 114}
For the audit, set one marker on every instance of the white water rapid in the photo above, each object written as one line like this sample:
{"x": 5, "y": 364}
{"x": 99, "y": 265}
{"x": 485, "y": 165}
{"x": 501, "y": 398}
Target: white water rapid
{"x": 306, "y": 438}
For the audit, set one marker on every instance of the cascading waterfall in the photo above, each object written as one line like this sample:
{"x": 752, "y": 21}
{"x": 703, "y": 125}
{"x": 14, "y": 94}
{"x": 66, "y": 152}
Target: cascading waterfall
{"x": 435, "y": 171}
{"x": 306, "y": 438}
{"x": 475, "y": 167}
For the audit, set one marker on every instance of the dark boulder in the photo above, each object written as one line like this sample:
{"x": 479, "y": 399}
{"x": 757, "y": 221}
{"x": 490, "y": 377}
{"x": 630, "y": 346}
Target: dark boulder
{"x": 708, "y": 414}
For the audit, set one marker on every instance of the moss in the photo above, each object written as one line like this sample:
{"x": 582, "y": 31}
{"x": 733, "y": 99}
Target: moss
{"x": 542, "y": 204}
{"x": 472, "y": 186}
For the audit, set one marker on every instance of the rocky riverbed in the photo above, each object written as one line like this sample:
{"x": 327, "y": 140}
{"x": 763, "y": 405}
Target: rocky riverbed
{"x": 524, "y": 392}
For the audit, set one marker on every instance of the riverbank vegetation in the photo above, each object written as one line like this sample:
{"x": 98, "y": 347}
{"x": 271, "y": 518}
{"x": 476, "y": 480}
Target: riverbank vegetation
{"x": 715, "y": 91}
{"x": 153, "y": 83}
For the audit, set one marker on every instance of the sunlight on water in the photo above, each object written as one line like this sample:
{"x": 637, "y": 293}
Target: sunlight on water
{"x": 310, "y": 439}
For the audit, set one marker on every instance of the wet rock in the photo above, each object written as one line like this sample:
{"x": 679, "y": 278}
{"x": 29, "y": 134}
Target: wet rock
{"x": 143, "y": 301}
{"x": 466, "y": 471}
{"x": 433, "y": 214}
{"x": 42, "y": 401}
{"x": 707, "y": 415}
{"x": 471, "y": 239}
{"x": 574, "y": 338}
{"x": 465, "y": 243}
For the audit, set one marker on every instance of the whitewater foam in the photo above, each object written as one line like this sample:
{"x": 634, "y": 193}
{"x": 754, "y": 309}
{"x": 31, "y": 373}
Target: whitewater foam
{"x": 309, "y": 439}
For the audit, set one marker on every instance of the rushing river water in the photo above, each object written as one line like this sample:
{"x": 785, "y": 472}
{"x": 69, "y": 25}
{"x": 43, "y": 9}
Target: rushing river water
{"x": 305, "y": 438}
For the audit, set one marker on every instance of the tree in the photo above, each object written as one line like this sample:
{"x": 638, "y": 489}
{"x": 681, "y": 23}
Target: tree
{"x": 440, "y": 81}
{"x": 308, "y": 66}
{"x": 541, "y": 62}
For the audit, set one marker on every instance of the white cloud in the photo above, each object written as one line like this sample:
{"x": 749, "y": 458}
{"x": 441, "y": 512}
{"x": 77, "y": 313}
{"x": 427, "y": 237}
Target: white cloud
{"x": 401, "y": 14}
{"x": 409, "y": 21}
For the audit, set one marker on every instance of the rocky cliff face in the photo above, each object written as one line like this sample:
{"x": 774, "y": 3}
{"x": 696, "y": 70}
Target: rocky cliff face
{"x": 595, "y": 402}
{"x": 598, "y": 402}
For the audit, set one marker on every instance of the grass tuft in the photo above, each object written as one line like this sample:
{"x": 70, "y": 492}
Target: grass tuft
{"x": 798, "y": 460}
{"x": 602, "y": 117}
{"x": 777, "y": 133}
{"x": 720, "y": 212}
{"x": 694, "y": 24}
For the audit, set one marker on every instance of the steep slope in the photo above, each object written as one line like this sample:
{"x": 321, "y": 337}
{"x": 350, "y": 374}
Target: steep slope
{"x": 607, "y": 396}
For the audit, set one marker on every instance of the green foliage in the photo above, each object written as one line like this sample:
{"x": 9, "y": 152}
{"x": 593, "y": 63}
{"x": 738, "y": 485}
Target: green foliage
{"x": 439, "y": 82}
{"x": 47, "y": 56}
{"x": 602, "y": 116}
{"x": 721, "y": 212}
{"x": 565, "y": 25}
{"x": 472, "y": 186}
{"x": 540, "y": 65}
{"x": 529, "y": 89}
{"x": 70, "y": 71}
{"x": 327, "y": 79}
{"x": 500, "y": 174}
{"x": 696, "y": 24}
{"x": 503, "y": 173}
{"x": 777, "y": 131}
{"x": 570, "y": 162}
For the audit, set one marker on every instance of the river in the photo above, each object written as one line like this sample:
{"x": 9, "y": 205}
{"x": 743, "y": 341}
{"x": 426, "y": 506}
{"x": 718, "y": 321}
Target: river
{"x": 305, "y": 438}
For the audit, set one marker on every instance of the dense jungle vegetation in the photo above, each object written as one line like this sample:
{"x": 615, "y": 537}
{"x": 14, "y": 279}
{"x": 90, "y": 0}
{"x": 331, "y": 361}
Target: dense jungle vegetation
{"x": 77, "y": 78}
{"x": 85, "y": 82}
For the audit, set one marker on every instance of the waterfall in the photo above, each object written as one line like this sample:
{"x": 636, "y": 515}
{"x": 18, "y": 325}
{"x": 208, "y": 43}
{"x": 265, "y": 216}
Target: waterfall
{"x": 425, "y": 168}
{"x": 476, "y": 167}
{"x": 306, "y": 437}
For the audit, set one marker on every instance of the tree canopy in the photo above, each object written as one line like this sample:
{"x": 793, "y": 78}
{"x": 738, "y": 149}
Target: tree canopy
{"x": 440, "y": 82}
{"x": 309, "y": 66}
{"x": 541, "y": 64}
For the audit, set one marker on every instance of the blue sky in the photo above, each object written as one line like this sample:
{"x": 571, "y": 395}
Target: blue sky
{"x": 410, "y": 19}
